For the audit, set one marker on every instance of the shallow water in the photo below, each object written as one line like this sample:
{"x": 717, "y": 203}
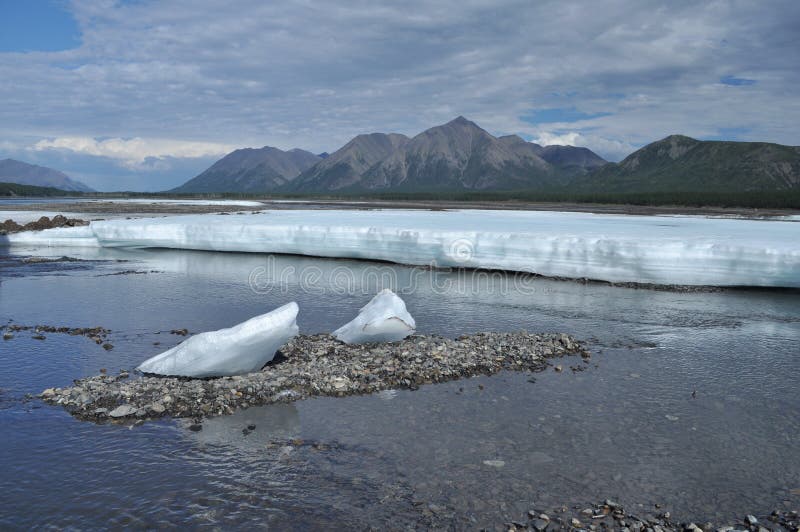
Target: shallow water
{"x": 626, "y": 428}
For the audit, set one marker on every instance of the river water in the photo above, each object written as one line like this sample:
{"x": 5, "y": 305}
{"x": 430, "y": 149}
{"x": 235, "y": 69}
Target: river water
{"x": 690, "y": 401}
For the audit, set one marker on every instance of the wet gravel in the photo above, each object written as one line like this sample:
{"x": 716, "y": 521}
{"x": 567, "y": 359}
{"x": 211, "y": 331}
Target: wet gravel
{"x": 98, "y": 335}
{"x": 312, "y": 366}
{"x": 610, "y": 515}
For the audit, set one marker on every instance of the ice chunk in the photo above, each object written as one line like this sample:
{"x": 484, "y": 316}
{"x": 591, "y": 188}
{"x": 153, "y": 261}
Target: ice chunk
{"x": 241, "y": 349}
{"x": 383, "y": 319}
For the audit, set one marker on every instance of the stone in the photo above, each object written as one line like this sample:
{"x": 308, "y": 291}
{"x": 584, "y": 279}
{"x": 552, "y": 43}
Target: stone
{"x": 122, "y": 411}
{"x": 540, "y": 525}
{"x": 751, "y": 520}
{"x": 494, "y": 463}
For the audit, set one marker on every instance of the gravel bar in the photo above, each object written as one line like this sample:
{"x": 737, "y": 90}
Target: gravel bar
{"x": 310, "y": 366}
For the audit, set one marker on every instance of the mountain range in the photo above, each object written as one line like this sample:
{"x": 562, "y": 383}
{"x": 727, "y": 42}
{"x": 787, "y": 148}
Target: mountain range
{"x": 21, "y": 173}
{"x": 457, "y": 155}
{"x": 461, "y": 156}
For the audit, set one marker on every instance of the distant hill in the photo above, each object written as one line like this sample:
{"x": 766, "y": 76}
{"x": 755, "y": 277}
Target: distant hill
{"x": 679, "y": 163}
{"x": 458, "y": 155}
{"x": 13, "y": 171}
{"x": 14, "y": 189}
{"x": 251, "y": 170}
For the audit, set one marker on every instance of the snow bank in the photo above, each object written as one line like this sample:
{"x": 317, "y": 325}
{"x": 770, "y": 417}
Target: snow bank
{"x": 616, "y": 248}
{"x": 168, "y": 201}
{"x": 383, "y": 319}
{"x": 241, "y": 349}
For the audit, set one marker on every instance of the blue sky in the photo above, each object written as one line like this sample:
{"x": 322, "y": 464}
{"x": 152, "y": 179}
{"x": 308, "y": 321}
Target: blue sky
{"x": 143, "y": 94}
{"x": 37, "y": 25}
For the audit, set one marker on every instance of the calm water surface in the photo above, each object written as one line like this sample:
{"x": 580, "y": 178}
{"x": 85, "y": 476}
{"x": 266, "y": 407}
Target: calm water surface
{"x": 626, "y": 428}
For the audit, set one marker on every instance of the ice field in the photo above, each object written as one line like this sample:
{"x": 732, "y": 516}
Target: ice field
{"x": 670, "y": 250}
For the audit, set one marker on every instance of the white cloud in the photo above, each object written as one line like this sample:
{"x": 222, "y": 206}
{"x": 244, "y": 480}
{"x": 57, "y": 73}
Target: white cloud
{"x": 134, "y": 153}
{"x": 612, "y": 150}
{"x": 564, "y": 139}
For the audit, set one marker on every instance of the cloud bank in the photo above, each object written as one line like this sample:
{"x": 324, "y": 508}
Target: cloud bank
{"x": 134, "y": 153}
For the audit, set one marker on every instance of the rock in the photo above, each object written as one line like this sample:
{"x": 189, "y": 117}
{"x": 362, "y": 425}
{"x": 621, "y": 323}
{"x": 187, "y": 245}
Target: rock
{"x": 558, "y": 368}
{"x": 195, "y": 427}
{"x": 38, "y": 337}
{"x": 494, "y": 463}
{"x": 611, "y": 504}
{"x": 49, "y": 392}
{"x": 157, "y": 408}
{"x": 8, "y": 336}
{"x": 123, "y": 411}
{"x": 751, "y": 520}
{"x": 540, "y": 525}
{"x": 672, "y": 418}
{"x": 108, "y": 347}
{"x": 576, "y": 523}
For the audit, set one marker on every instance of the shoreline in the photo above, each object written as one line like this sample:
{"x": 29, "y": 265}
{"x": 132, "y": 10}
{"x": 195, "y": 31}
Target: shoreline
{"x": 144, "y": 208}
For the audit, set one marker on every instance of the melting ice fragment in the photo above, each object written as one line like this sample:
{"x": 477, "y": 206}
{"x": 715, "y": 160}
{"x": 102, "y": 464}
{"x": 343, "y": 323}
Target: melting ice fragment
{"x": 383, "y": 319}
{"x": 243, "y": 348}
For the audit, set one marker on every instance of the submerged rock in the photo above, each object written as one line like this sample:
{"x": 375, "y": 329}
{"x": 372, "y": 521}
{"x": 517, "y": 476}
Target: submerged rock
{"x": 383, "y": 319}
{"x": 240, "y": 349}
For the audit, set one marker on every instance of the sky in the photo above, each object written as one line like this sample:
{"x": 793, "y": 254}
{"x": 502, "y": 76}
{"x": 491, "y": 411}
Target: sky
{"x": 143, "y": 95}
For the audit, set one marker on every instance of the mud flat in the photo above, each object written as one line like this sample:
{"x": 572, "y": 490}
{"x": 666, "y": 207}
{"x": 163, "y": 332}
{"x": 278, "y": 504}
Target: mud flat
{"x": 313, "y": 366}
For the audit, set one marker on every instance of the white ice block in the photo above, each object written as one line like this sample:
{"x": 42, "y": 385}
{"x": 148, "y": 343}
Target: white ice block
{"x": 383, "y": 319}
{"x": 241, "y": 349}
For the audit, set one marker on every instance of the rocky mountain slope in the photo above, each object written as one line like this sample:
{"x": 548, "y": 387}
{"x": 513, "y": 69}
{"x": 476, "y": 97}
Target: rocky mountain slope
{"x": 13, "y": 171}
{"x": 679, "y": 163}
{"x": 251, "y": 170}
{"x": 458, "y": 155}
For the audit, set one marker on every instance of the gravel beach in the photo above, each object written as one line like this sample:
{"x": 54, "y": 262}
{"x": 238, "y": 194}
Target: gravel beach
{"x": 312, "y": 366}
